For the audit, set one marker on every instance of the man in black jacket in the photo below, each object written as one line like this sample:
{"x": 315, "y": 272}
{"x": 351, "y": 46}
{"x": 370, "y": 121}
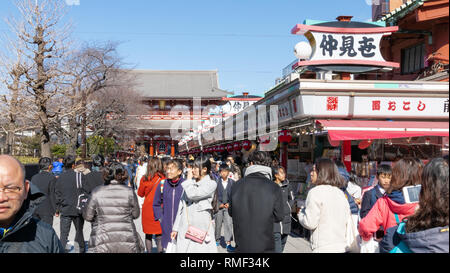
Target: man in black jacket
{"x": 256, "y": 204}
{"x": 19, "y": 231}
{"x": 45, "y": 181}
{"x": 66, "y": 193}
{"x": 95, "y": 177}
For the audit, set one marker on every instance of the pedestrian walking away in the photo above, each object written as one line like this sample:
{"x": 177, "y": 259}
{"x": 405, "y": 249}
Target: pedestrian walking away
{"x": 112, "y": 209}
{"x": 256, "y": 205}
{"x": 45, "y": 181}
{"x": 20, "y": 232}
{"x": 67, "y": 193}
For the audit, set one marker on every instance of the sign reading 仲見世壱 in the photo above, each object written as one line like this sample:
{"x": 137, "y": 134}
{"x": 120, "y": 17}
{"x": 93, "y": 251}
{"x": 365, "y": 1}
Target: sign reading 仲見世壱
{"x": 340, "y": 46}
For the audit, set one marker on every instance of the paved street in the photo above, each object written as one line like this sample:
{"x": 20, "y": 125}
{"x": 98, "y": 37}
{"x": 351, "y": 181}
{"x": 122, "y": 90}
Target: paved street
{"x": 295, "y": 244}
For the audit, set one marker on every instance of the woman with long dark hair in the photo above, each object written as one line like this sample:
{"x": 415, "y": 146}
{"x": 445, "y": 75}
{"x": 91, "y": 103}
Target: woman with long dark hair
{"x": 149, "y": 184}
{"x": 326, "y": 210}
{"x": 426, "y": 231}
{"x": 391, "y": 209}
{"x": 112, "y": 209}
{"x": 193, "y": 229}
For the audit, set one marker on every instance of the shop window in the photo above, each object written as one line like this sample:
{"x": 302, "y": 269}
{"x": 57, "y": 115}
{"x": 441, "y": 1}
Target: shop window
{"x": 413, "y": 59}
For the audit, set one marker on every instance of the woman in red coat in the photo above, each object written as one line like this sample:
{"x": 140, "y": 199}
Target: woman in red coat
{"x": 390, "y": 210}
{"x": 149, "y": 184}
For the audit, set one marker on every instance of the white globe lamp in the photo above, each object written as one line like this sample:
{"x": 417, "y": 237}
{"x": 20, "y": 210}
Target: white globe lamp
{"x": 303, "y": 51}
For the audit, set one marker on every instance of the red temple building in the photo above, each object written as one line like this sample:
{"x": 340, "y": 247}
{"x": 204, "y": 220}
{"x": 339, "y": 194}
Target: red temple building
{"x": 166, "y": 91}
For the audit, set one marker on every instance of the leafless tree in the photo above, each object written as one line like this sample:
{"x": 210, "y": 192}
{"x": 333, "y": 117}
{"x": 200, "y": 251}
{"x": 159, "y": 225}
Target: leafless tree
{"x": 13, "y": 109}
{"x": 44, "y": 44}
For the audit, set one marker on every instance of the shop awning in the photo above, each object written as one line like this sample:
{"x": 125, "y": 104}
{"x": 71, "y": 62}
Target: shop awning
{"x": 363, "y": 129}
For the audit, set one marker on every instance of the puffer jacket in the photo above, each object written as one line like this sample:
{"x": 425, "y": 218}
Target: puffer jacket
{"x": 112, "y": 209}
{"x": 382, "y": 214}
{"x": 28, "y": 234}
{"x": 433, "y": 240}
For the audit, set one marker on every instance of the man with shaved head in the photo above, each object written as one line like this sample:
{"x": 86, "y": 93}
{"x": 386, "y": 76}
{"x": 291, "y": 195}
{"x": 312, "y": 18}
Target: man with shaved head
{"x": 19, "y": 231}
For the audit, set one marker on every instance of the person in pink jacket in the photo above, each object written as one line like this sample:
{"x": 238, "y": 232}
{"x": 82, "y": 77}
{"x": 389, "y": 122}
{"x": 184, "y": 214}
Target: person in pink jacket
{"x": 391, "y": 209}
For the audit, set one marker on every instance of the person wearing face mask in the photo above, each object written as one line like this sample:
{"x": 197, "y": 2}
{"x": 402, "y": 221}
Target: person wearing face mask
{"x": 166, "y": 201}
{"x": 195, "y": 210}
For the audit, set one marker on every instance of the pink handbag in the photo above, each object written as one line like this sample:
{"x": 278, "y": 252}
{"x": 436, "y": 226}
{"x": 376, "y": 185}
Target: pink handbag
{"x": 195, "y": 234}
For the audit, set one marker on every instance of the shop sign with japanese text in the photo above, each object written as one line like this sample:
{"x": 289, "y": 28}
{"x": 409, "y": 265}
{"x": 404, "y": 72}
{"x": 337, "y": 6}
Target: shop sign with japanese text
{"x": 345, "y": 46}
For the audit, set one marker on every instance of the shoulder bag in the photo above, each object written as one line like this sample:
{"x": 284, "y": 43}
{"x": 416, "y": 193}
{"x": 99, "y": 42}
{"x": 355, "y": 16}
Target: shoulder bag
{"x": 195, "y": 234}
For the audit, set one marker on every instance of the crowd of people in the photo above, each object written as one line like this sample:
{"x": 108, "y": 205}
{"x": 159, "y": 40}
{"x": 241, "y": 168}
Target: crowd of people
{"x": 185, "y": 203}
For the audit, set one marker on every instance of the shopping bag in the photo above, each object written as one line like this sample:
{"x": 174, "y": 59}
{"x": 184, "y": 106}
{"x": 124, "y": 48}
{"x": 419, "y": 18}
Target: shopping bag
{"x": 352, "y": 237}
{"x": 172, "y": 247}
{"x": 370, "y": 246}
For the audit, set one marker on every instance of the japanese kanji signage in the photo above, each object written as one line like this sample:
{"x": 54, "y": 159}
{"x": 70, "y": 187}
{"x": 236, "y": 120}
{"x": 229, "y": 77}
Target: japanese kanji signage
{"x": 345, "y": 46}
{"x": 372, "y": 107}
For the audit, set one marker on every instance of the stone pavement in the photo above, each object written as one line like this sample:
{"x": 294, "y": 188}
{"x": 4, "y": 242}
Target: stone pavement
{"x": 295, "y": 244}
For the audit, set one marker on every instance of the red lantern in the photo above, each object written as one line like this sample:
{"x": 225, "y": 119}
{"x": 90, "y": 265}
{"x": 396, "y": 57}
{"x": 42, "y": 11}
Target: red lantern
{"x": 364, "y": 144}
{"x": 237, "y": 146}
{"x": 247, "y": 145}
{"x": 230, "y": 148}
{"x": 285, "y": 136}
{"x": 222, "y": 148}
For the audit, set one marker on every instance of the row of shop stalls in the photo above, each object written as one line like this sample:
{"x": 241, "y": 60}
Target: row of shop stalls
{"x": 362, "y": 123}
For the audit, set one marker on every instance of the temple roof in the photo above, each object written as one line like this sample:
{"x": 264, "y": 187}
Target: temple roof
{"x": 178, "y": 84}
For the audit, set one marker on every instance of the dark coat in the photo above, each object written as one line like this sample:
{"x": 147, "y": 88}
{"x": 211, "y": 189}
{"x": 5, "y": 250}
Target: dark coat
{"x": 220, "y": 190}
{"x": 284, "y": 227}
{"x": 28, "y": 234}
{"x": 368, "y": 201}
{"x": 165, "y": 207}
{"x": 45, "y": 181}
{"x": 112, "y": 209}
{"x": 434, "y": 240}
{"x": 93, "y": 180}
{"x": 256, "y": 204}
{"x": 66, "y": 193}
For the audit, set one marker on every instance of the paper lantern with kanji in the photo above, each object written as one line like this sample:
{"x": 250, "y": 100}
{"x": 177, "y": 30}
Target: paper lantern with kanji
{"x": 237, "y": 146}
{"x": 285, "y": 136}
{"x": 247, "y": 145}
{"x": 230, "y": 147}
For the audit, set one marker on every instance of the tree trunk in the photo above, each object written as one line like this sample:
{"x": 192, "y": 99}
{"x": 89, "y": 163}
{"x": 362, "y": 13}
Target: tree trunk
{"x": 73, "y": 138}
{"x": 10, "y": 143}
{"x": 83, "y": 127}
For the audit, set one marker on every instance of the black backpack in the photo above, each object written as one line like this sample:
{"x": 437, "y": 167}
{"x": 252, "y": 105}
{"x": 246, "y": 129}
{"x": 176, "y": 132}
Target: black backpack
{"x": 83, "y": 196}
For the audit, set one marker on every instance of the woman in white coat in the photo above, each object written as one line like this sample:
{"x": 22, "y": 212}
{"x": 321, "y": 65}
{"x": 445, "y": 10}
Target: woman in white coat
{"x": 326, "y": 212}
{"x": 195, "y": 210}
